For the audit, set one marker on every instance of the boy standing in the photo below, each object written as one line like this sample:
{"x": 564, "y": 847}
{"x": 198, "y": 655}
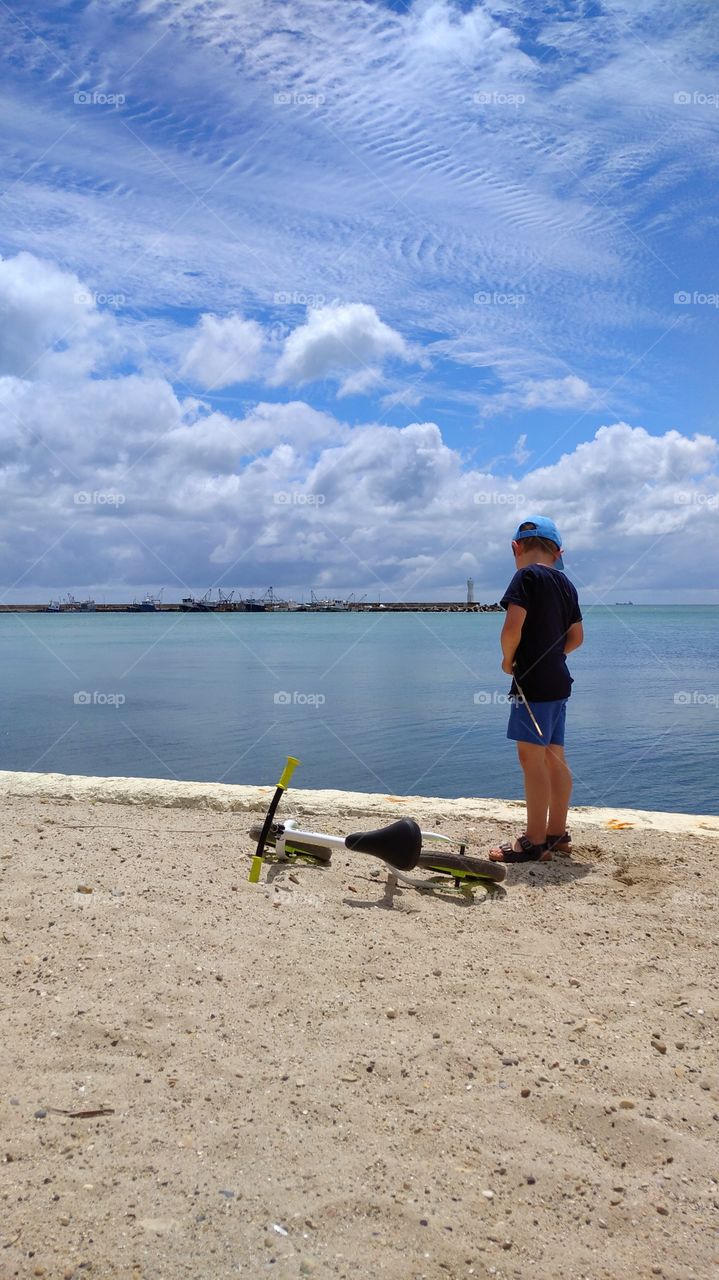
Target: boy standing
{"x": 542, "y": 625}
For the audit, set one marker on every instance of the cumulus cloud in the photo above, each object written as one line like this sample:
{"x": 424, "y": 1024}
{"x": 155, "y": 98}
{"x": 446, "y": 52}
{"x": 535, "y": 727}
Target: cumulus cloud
{"x": 225, "y": 352}
{"x": 622, "y": 471}
{"x": 50, "y": 322}
{"x": 347, "y": 342}
{"x": 113, "y": 481}
{"x": 291, "y": 496}
{"x": 221, "y": 445}
{"x": 439, "y": 30}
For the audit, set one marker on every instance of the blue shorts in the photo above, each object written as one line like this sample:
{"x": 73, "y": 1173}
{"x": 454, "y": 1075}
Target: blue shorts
{"x": 550, "y": 717}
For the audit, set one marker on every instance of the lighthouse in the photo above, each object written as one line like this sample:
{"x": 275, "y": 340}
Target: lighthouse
{"x": 470, "y": 590}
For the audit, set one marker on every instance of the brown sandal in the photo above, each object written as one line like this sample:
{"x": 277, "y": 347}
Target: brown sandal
{"x": 527, "y": 852}
{"x": 560, "y": 844}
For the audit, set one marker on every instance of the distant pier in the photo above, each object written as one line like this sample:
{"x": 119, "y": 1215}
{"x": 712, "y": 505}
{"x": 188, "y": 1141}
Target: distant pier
{"x": 402, "y": 606}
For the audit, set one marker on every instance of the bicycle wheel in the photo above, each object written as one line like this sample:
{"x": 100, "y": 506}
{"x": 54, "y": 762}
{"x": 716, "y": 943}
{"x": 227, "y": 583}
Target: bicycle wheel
{"x": 454, "y": 864}
{"x": 317, "y": 852}
{"x": 274, "y": 831}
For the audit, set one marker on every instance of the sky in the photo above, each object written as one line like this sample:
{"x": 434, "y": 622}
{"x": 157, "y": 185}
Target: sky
{"x": 331, "y": 296}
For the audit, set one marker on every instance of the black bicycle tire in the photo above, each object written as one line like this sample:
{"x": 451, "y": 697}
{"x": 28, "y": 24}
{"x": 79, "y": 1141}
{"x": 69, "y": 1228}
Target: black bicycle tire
{"x": 465, "y": 868}
{"x": 256, "y": 832}
{"x": 318, "y": 852}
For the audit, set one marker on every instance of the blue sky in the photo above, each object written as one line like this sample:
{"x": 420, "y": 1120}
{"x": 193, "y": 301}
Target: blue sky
{"x": 333, "y": 301}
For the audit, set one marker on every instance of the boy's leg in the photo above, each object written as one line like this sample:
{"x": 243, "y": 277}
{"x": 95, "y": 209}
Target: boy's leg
{"x": 547, "y": 778}
{"x": 537, "y": 788}
{"x": 560, "y": 783}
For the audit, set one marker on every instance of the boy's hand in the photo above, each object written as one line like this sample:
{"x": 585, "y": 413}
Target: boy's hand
{"x": 511, "y": 634}
{"x": 574, "y": 637}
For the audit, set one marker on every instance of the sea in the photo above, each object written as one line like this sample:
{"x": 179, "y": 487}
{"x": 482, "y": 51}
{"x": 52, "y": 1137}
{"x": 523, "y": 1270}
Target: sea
{"x": 405, "y": 704}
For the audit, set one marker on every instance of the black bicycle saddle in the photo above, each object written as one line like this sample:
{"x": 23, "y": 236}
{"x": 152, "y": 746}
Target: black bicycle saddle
{"x": 399, "y": 844}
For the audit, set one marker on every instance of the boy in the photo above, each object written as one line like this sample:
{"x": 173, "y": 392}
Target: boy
{"x": 542, "y": 625}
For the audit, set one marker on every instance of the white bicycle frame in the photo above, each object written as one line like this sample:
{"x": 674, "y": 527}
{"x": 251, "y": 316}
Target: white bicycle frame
{"x": 293, "y": 832}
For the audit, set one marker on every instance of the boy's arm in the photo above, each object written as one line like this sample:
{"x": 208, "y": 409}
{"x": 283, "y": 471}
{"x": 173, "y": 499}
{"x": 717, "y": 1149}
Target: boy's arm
{"x": 574, "y": 637}
{"x": 511, "y": 635}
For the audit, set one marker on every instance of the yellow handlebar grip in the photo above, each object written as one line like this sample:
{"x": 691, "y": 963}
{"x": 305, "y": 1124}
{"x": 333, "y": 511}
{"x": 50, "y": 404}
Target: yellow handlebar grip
{"x": 287, "y": 772}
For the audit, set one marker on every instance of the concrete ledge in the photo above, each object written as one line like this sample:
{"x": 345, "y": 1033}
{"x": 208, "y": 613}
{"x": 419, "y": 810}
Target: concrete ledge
{"x": 222, "y": 796}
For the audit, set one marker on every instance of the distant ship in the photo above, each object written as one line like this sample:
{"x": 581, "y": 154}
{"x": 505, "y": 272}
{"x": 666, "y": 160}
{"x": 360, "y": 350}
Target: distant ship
{"x": 622, "y": 602}
{"x": 71, "y": 605}
{"x": 332, "y": 604}
{"x": 148, "y": 604}
{"x": 201, "y": 604}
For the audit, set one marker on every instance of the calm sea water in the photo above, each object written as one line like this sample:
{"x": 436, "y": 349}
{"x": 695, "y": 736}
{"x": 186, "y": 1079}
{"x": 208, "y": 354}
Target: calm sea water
{"x": 390, "y": 702}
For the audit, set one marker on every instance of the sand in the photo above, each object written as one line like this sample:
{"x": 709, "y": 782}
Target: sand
{"x": 320, "y": 1076}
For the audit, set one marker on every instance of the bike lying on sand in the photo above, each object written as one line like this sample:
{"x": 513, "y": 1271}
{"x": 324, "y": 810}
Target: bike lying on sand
{"x": 400, "y": 845}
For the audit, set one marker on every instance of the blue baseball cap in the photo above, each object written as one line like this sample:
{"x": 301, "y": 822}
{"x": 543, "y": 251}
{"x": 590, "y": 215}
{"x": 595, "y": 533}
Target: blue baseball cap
{"x": 540, "y": 527}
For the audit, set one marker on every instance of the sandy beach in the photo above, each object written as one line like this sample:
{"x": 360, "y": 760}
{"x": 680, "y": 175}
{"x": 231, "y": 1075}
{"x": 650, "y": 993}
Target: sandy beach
{"x": 320, "y": 1076}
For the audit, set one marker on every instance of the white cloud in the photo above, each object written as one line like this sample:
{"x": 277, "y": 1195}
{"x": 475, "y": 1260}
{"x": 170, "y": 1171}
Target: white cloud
{"x": 289, "y": 495}
{"x": 407, "y": 397}
{"x": 347, "y": 343}
{"x": 402, "y": 192}
{"x": 440, "y": 30}
{"x": 50, "y": 323}
{"x": 342, "y": 342}
{"x": 405, "y": 192}
{"x": 558, "y": 393}
{"x": 570, "y": 392}
{"x": 360, "y": 382}
{"x": 218, "y": 444}
{"x": 226, "y": 351}
{"x": 521, "y": 453}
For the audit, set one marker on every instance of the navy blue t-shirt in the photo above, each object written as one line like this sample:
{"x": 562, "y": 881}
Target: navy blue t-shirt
{"x": 552, "y": 607}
